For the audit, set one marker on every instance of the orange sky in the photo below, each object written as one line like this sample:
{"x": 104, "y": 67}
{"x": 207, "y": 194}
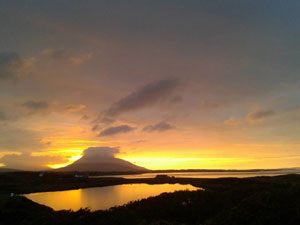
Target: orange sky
{"x": 173, "y": 85}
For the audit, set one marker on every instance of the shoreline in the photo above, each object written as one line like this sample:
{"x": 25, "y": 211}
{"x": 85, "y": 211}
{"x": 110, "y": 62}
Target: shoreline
{"x": 237, "y": 201}
{"x": 27, "y": 182}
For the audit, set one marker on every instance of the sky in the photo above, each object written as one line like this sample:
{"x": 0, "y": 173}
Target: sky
{"x": 206, "y": 84}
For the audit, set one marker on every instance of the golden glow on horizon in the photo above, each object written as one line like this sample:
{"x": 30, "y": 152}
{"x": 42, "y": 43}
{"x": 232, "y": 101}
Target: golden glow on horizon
{"x": 154, "y": 108}
{"x": 163, "y": 155}
{"x": 71, "y": 160}
{"x": 157, "y": 163}
{"x": 163, "y": 160}
{"x": 9, "y": 153}
{"x": 70, "y": 149}
{"x": 67, "y": 137}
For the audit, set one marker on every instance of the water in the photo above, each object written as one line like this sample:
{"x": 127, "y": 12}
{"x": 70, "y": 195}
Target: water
{"x": 103, "y": 197}
{"x": 208, "y": 174}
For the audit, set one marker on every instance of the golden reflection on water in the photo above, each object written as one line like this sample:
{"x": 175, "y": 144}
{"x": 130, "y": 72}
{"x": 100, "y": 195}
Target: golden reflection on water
{"x": 103, "y": 197}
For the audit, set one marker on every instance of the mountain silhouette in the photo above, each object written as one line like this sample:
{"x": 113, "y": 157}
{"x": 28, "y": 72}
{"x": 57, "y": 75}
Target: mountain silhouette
{"x": 101, "y": 159}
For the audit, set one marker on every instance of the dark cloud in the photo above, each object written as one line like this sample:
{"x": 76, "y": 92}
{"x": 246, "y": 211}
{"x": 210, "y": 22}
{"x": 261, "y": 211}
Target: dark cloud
{"x": 11, "y": 65}
{"x": 36, "y": 105}
{"x": 95, "y": 128}
{"x": 26, "y": 161}
{"x": 144, "y": 97}
{"x": 101, "y": 122}
{"x": 259, "y": 114}
{"x": 116, "y": 130}
{"x": 162, "y": 126}
{"x": 104, "y": 121}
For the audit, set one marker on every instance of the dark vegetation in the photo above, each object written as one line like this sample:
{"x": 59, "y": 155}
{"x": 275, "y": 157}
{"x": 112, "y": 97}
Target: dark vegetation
{"x": 230, "y": 201}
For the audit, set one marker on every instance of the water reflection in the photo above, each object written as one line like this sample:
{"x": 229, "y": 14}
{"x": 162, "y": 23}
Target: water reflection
{"x": 103, "y": 197}
{"x": 208, "y": 174}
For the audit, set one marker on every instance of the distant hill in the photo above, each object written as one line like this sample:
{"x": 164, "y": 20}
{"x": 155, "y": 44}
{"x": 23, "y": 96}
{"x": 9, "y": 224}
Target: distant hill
{"x": 5, "y": 170}
{"x": 93, "y": 160}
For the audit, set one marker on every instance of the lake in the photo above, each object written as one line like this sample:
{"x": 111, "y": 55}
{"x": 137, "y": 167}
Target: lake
{"x": 208, "y": 174}
{"x": 103, "y": 197}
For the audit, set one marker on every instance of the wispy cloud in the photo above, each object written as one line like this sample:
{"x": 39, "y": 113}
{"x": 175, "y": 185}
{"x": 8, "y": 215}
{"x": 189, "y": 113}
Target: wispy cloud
{"x": 68, "y": 55}
{"x": 116, "y": 130}
{"x": 259, "y": 114}
{"x": 162, "y": 126}
{"x": 232, "y": 122}
{"x": 204, "y": 104}
{"x": 56, "y": 54}
{"x": 143, "y": 97}
{"x": 36, "y": 105}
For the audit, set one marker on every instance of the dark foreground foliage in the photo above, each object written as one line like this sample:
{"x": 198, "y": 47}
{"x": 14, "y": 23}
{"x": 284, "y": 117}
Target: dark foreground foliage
{"x": 255, "y": 201}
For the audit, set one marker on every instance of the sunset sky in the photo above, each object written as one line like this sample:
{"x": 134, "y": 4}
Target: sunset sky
{"x": 206, "y": 84}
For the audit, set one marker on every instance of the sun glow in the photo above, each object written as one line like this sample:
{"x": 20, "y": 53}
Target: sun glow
{"x": 165, "y": 163}
{"x": 71, "y": 160}
{"x": 69, "y": 149}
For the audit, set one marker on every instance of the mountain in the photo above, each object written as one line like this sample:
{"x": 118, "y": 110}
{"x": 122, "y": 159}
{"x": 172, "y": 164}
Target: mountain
{"x": 110, "y": 165}
{"x": 101, "y": 159}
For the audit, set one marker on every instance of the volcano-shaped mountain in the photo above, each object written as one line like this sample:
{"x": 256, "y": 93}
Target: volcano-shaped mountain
{"x": 101, "y": 159}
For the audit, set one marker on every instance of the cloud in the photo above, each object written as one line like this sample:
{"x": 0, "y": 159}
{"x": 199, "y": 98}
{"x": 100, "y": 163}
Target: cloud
{"x": 26, "y": 161}
{"x": 143, "y": 97}
{"x": 162, "y": 126}
{"x": 208, "y": 104}
{"x": 12, "y": 66}
{"x": 116, "y": 130}
{"x": 100, "y": 152}
{"x": 36, "y": 105}
{"x": 63, "y": 54}
{"x": 232, "y": 122}
{"x": 56, "y": 54}
{"x": 75, "y": 108}
{"x": 176, "y": 99}
{"x": 85, "y": 117}
{"x": 2, "y": 116}
{"x": 104, "y": 120}
{"x": 259, "y": 115}
{"x": 95, "y": 128}
{"x": 107, "y": 120}
{"x": 78, "y": 60}
{"x": 20, "y": 139}
{"x": 42, "y": 107}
